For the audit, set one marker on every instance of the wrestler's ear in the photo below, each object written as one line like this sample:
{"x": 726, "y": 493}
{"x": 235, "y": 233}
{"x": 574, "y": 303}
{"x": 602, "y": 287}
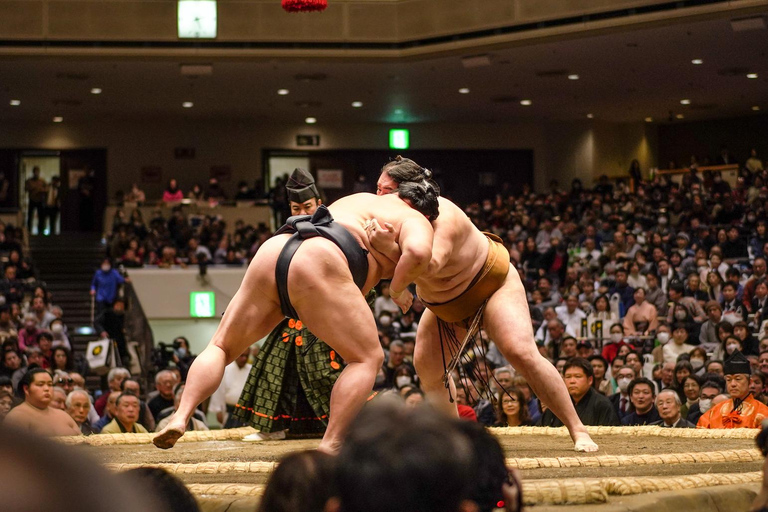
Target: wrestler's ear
{"x": 332, "y": 505}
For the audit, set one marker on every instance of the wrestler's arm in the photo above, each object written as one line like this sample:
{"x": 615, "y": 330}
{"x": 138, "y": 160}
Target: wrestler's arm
{"x": 416, "y": 238}
{"x": 384, "y": 240}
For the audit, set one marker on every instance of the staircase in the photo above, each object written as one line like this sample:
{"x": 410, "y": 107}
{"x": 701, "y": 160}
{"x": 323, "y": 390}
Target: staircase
{"x": 66, "y": 264}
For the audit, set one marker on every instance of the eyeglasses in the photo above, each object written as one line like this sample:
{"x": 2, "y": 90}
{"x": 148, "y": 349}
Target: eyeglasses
{"x": 65, "y": 381}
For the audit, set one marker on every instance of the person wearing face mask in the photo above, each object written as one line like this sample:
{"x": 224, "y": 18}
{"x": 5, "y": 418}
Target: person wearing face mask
{"x": 613, "y": 344}
{"x": 709, "y": 391}
{"x": 620, "y": 400}
{"x": 104, "y": 288}
{"x": 679, "y": 343}
{"x": 698, "y": 360}
{"x": 60, "y": 338}
{"x": 742, "y": 410}
{"x": 685, "y": 309}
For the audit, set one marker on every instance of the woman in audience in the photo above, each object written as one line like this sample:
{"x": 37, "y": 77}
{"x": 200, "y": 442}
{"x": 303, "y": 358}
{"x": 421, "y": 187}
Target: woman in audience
{"x": 601, "y": 319}
{"x": 302, "y": 481}
{"x": 196, "y": 194}
{"x": 62, "y": 360}
{"x": 531, "y": 402}
{"x": 641, "y": 318}
{"x": 757, "y": 383}
{"x": 512, "y": 409}
{"x": 172, "y": 193}
{"x": 683, "y": 369}
{"x": 691, "y": 390}
{"x": 698, "y": 360}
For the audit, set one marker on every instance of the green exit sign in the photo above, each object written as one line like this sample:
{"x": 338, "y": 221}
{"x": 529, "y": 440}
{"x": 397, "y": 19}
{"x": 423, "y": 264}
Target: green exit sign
{"x": 399, "y": 139}
{"x": 202, "y": 304}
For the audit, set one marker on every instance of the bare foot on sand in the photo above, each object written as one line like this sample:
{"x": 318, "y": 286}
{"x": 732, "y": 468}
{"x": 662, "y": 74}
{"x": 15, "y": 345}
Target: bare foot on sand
{"x": 583, "y": 443}
{"x": 168, "y": 437}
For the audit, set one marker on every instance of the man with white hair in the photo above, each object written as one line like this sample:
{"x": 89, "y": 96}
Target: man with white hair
{"x": 78, "y": 405}
{"x": 502, "y": 379}
{"x": 165, "y": 380}
{"x": 668, "y": 404}
{"x": 115, "y": 378}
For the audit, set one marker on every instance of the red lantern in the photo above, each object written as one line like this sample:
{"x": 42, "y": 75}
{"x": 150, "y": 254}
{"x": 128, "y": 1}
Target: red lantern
{"x": 304, "y": 5}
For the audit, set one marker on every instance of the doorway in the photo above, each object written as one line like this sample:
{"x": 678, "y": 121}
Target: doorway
{"x": 279, "y": 166}
{"x": 42, "y": 220}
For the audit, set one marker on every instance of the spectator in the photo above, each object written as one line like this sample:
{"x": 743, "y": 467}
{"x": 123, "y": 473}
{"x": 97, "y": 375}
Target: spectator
{"x": 511, "y": 409}
{"x": 570, "y": 314}
{"x": 655, "y": 295}
{"x": 440, "y": 459}
{"x": 601, "y": 382}
{"x": 691, "y": 390}
{"x": 110, "y": 410}
{"x": 642, "y": 393}
{"x": 592, "y": 407}
{"x": 115, "y": 378}
{"x": 127, "y": 409}
{"x": 224, "y": 399}
{"x": 384, "y": 303}
{"x": 133, "y": 386}
{"x": 679, "y": 343}
{"x": 641, "y": 318}
{"x": 196, "y": 422}
{"x": 531, "y": 401}
{"x": 104, "y": 288}
{"x": 34, "y": 414}
{"x": 135, "y": 195}
{"x": 757, "y": 383}
{"x": 6, "y": 402}
{"x": 685, "y": 308}
{"x": 36, "y": 189}
{"x": 733, "y": 310}
{"x": 28, "y": 335}
{"x": 708, "y": 338}
{"x": 62, "y": 360}
{"x": 601, "y": 318}
{"x": 165, "y": 380}
{"x": 413, "y": 398}
{"x": 168, "y": 491}
{"x": 624, "y": 292}
{"x": 12, "y": 366}
{"x": 214, "y": 193}
{"x": 60, "y": 338}
{"x": 78, "y": 404}
{"x": 172, "y": 193}
{"x": 750, "y": 345}
{"x": 621, "y": 399}
{"x": 668, "y": 405}
{"x": 709, "y": 390}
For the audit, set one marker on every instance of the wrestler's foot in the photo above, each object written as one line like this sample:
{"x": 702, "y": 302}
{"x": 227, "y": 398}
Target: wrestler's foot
{"x": 583, "y": 443}
{"x": 265, "y": 436}
{"x": 329, "y": 447}
{"x": 169, "y": 435}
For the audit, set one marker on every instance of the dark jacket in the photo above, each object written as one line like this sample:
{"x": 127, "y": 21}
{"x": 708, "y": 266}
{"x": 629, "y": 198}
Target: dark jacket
{"x": 593, "y": 409}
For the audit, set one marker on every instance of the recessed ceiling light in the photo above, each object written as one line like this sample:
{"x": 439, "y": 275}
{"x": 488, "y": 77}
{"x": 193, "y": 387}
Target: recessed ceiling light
{"x": 58, "y": 119}
{"x": 310, "y": 120}
{"x": 283, "y": 92}
{"x": 95, "y": 90}
{"x": 573, "y": 77}
{"x": 357, "y": 104}
{"x": 648, "y": 119}
{"x": 697, "y": 62}
{"x": 752, "y": 75}
{"x": 590, "y": 116}
{"x": 680, "y": 116}
{"x": 526, "y": 103}
{"x": 15, "y": 103}
{"x": 685, "y": 102}
{"x": 755, "y": 108}
{"x": 187, "y": 104}
{"x": 464, "y": 90}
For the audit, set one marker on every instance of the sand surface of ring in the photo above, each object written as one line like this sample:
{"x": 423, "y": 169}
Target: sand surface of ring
{"x": 534, "y": 446}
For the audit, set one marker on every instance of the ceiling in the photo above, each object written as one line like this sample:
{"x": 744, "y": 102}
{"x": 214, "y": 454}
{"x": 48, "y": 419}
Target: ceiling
{"x": 623, "y": 77}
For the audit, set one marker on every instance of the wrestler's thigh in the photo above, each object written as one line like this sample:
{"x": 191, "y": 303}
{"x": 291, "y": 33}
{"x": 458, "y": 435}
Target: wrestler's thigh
{"x": 329, "y": 303}
{"x": 255, "y": 309}
{"x": 507, "y": 320}
{"x": 428, "y": 354}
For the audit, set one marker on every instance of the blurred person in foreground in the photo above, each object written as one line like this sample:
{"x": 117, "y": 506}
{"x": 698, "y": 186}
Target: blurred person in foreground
{"x": 34, "y": 414}
{"x": 435, "y": 464}
{"x": 741, "y": 410}
{"x": 41, "y": 475}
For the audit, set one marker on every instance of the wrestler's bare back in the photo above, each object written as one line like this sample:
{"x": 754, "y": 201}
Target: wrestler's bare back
{"x": 459, "y": 251}
{"x": 45, "y": 422}
{"x": 354, "y": 211}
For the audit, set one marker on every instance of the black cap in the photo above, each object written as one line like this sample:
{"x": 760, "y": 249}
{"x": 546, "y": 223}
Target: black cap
{"x": 301, "y": 186}
{"x": 737, "y": 364}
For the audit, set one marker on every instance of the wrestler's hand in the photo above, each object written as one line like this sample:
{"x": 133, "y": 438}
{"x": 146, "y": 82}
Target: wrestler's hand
{"x": 383, "y": 239}
{"x": 403, "y": 300}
